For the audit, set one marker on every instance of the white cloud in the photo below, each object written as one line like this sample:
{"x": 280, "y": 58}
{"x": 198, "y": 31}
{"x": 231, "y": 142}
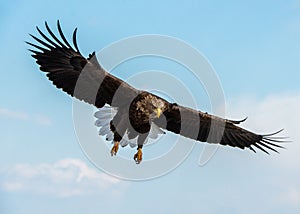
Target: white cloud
{"x": 20, "y": 115}
{"x": 292, "y": 196}
{"x": 67, "y": 177}
{"x": 42, "y": 120}
{"x": 269, "y": 115}
{"x": 13, "y": 114}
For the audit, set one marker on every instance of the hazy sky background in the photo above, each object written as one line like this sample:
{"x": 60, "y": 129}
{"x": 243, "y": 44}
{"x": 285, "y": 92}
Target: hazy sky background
{"x": 253, "y": 46}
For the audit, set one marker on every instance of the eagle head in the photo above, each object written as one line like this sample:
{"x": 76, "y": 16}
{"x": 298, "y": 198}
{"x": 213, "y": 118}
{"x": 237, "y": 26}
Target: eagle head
{"x": 157, "y": 107}
{"x": 151, "y": 106}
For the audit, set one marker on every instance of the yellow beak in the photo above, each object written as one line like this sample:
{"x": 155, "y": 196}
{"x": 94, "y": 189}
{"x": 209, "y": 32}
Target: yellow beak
{"x": 158, "y": 112}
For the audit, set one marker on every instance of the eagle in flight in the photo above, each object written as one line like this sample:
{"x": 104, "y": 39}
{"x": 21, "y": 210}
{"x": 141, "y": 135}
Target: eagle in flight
{"x": 130, "y": 116}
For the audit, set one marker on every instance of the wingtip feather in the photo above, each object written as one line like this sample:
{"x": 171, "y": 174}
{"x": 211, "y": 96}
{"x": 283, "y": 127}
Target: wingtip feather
{"x": 75, "y": 40}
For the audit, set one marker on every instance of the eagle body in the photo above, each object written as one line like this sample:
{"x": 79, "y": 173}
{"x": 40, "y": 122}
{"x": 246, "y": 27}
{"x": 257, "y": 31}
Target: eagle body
{"x": 126, "y": 113}
{"x": 136, "y": 122}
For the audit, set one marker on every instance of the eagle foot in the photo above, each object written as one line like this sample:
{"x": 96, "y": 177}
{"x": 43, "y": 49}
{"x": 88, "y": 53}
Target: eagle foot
{"x": 114, "y": 149}
{"x": 138, "y": 156}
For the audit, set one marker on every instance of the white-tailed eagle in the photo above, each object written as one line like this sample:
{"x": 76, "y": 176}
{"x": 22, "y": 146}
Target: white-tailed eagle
{"x": 133, "y": 113}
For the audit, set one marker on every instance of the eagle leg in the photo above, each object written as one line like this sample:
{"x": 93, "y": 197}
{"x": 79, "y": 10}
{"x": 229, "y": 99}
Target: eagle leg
{"x": 115, "y": 148}
{"x": 139, "y": 155}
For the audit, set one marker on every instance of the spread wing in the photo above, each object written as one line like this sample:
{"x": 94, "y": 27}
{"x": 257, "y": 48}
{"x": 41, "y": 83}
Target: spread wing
{"x": 78, "y": 76}
{"x": 208, "y": 128}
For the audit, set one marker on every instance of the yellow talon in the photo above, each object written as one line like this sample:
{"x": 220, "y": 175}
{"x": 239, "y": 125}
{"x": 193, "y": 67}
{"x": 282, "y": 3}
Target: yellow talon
{"x": 114, "y": 149}
{"x": 138, "y": 156}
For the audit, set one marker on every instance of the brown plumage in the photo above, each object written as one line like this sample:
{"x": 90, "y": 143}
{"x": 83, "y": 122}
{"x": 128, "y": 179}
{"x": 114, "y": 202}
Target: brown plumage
{"x": 86, "y": 80}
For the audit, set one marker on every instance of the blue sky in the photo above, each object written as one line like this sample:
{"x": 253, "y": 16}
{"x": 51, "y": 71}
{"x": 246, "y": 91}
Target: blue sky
{"x": 253, "y": 46}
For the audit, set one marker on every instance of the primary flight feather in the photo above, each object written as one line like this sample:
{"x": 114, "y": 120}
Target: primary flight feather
{"x": 134, "y": 114}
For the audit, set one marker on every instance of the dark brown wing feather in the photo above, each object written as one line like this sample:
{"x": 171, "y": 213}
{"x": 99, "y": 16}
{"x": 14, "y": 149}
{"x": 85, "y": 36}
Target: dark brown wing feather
{"x": 80, "y": 77}
{"x": 208, "y": 128}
